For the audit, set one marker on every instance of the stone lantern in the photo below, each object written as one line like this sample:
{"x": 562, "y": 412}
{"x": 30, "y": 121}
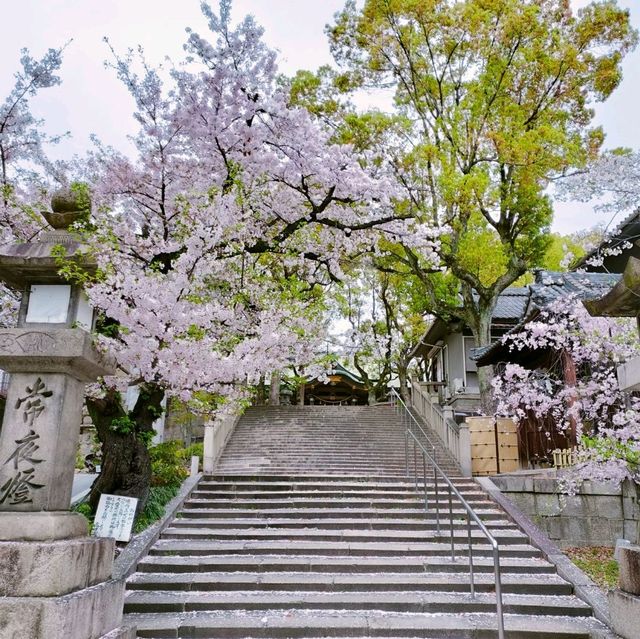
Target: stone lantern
{"x": 55, "y": 580}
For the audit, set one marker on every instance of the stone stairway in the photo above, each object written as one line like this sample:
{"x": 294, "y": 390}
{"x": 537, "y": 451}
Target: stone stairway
{"x": 321, "y": 439}
{"x": 310, "y": 528}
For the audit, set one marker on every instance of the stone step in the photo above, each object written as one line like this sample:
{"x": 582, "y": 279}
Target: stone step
{"x": 456, "y": 582}
{"x": 353, "y": 485}
{"x": 298, "y": 624}
{"x": 398, "y": 496}
{"x": 503, "y": 536}
{"x": 187, "y": 519}
{"x": 320, "y": 479}
{"x": 340, "y": 502}
{"x": 327, "y": 469}
{"x": 311, "y": 527}
{"x": 349, "y": 463}
{"x": 398, "y": 601}
{"x": 197, "y": 560}
{"x": 330, "y": 470}
{"x": 201, "y": 510}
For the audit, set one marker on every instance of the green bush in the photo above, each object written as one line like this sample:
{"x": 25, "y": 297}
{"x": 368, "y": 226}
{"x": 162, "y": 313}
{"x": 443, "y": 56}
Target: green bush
{"x": 169, "y": 468}
{"x": 168, "y": 464}
{"x": 194, "y": 449}
{"x": 84, "y": 509}
{"x": 159, "y": 497}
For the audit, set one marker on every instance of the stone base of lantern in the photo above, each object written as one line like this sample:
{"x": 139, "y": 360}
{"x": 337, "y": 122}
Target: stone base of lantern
{"x": 42, "y": 526}
{"x": 55, "y": 587}
{"x": 89, "y": 613}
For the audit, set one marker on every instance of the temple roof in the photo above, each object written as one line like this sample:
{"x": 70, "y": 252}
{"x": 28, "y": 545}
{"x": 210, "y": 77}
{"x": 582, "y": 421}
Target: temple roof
{"x": 549, "y": 287}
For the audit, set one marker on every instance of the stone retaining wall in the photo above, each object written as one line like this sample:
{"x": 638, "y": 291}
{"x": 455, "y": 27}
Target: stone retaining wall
{"x": 597, "y": 516}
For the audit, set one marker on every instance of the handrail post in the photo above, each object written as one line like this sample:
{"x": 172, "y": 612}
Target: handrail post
{"x": 453, "y": 552}
{"x": 424, "y": 481}
{"x": 499, "y": 613}
{"x": 471, "y": 576}
{"x": 406, "y": 453}
{"x": 415, "y": 464}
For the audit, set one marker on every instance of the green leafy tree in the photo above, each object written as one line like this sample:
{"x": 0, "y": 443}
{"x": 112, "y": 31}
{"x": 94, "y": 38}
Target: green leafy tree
{"x": 386, "y": 316}
{"x": 493, "y": 100}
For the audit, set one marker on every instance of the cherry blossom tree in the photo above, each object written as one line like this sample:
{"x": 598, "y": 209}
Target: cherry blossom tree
{"x": 613, "y": 179}
{"x": 606, "y": 420}
{"x": 215, "y": 244}
{"x": 612, "y": 182}
{"x": 25, "y": 171}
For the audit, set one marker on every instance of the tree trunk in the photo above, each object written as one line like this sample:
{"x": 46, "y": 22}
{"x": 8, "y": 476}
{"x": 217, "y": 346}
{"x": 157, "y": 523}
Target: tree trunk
{"x": 261, "y": 398}
{"x": 481, "y": 330}
{"x": 274, "y": 389}
{"x": 570, "y": 379}
{"x": 402, "y": 379}
{"x": 301, "y": 390}
{"x": 372, "y": 396}
{"x": 126, "y": 465}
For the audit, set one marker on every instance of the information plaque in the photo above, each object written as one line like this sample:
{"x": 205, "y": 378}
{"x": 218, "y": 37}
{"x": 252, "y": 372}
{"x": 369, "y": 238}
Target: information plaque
{"x": 114, "y": 517}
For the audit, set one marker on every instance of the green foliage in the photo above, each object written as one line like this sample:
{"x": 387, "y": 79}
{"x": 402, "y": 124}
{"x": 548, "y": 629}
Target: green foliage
{"x": 559, "y": 247}
{"x": 79, "y": 460}
{"x": 126, "y": 425}
{"x": 123, "y": 425}
{"x": 168, "y": 464}
{"x": 71, "y": 269}
{"x": 608, "y": 449}
{"x": 107, "y": 327}
{"x": 159, "y": 497}
{"x": 499, "y": 96}
{"x": 84, "y": 509}
{"x": 193, "y": 450}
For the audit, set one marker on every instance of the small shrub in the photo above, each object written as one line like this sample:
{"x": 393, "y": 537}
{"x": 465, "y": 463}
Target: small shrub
{"x": 84, "y": 509}
{"x": 159, "y": 497}
{"x": 168, "y": 464}
{"x": 194, "y": 449}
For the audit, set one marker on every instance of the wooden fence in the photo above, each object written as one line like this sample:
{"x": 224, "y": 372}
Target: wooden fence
{"x": 494, "y": 445}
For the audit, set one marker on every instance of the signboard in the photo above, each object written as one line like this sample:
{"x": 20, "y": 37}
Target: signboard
{"x": 115, "y": 517}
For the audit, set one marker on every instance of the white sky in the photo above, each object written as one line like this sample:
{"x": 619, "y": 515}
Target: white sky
{"x": 91, "y": 100}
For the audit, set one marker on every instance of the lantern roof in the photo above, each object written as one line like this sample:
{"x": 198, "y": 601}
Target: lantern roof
{"x": 23, "y": 263}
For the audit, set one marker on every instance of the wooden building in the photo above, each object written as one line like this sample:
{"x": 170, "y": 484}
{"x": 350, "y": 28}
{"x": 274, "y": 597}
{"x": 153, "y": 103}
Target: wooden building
{"x": 343, "y": 388}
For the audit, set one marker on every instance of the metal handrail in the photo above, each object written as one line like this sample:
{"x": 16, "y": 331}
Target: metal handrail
{"x": 408, "y": 419}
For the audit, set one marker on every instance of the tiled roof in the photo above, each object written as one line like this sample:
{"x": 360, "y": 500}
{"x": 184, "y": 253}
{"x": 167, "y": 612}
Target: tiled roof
{"x": 549, "y": 287}
{"x": 512, "y": 303}
{"x": 510, "y": 308}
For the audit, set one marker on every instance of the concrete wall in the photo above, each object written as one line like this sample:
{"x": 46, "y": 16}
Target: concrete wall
{"x": 597, "y": 516}
{"x": 180, "y": 424}
{"x": 455, "y": 359}
{"x": 216, "y": 435}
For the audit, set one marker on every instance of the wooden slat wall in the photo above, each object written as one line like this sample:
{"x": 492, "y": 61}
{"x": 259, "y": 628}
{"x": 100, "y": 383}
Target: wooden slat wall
{"x": 482, "y": 432}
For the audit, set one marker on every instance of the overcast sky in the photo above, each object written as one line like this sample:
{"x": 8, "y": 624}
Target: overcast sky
{"x": 91, "y": 100}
